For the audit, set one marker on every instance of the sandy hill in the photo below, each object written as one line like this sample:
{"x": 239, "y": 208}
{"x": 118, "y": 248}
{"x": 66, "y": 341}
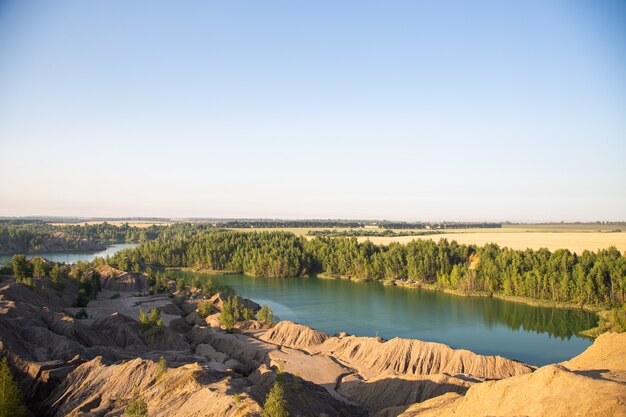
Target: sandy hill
{"x": 92, "y": 367}
{"x": 592, "y": 384}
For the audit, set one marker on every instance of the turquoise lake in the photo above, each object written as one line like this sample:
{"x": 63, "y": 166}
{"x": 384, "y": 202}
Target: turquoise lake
{"x": 535, "y": 335}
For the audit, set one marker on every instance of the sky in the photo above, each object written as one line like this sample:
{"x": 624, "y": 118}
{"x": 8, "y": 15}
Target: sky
{"x": 399, "y": 110}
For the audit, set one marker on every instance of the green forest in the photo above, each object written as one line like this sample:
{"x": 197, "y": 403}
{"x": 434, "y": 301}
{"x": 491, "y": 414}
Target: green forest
{"x": 31, "y": 237}
{"x": 593, "y": 278}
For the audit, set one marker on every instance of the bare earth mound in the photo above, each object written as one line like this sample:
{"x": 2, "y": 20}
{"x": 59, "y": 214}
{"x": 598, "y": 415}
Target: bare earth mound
{"x": 92, "y": 367}
{"x": 593, "y": 387}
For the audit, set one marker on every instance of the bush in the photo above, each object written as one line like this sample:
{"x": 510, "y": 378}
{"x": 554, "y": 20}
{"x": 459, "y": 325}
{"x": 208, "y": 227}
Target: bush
{"x": 180, "y": 284}
{"x": 266, "y": 315}
{"x": 144, "y": 321}
{"x": 204, "y": 308}
{"x": 153, "y": 320}
{"x": 114, "y": 296}
{"x": 81, "y": 300}
{"x": 208, "y": 287}
{"x": 161, "y": 368}
{"x": 247, "y": 314}
{"x": 137, "y": 407}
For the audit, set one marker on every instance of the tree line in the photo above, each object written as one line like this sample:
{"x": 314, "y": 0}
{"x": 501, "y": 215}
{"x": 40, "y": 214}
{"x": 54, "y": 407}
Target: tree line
{"x": 597, "y": 278}
{"x": 30, "y": 237}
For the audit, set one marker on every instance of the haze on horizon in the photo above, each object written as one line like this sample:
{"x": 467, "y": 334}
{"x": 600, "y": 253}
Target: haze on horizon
{"x": 488, "y": 111}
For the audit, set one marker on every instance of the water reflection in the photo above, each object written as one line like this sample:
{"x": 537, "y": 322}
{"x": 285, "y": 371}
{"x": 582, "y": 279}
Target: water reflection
{"x": 537, "y": 335}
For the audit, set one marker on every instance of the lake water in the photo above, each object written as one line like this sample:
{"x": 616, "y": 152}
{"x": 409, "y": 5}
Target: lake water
{"x": 71, "y": 258}
{"x": 535, "y": 335}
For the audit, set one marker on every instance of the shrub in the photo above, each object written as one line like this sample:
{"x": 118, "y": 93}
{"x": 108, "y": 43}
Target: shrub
{"x": 153, "y": 320}
{"x": 275, "y": 404}
{"x": 144, "y": 321}
{"x": 180, "y": 284}
{"x": 161, "y": 368}
{"x": 247, "y": 313}
{"x": 208, "y": 287}
{"x": 81, "y": 300}
{"x": 137, "y": 407}
{"x": 204, "y": 308}
{"x": 266, "y": 315}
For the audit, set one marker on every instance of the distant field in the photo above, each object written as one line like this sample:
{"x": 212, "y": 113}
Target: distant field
{"x": 141, "y": 223}
{"x": 574, "y": 241}
{"x": 575, "y": 237}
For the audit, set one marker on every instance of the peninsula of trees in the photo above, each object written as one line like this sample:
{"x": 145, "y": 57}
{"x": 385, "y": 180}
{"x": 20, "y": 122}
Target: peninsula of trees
{"x": 595, "y": 278}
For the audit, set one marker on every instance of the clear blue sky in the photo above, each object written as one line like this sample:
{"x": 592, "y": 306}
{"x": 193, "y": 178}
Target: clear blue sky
{"x": 497, "y": 110}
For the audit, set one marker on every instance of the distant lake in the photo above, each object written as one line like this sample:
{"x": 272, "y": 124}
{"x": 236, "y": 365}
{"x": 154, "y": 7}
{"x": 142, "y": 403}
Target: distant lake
{"x": 73, "y": 257}
{"x": 489, "y": 326}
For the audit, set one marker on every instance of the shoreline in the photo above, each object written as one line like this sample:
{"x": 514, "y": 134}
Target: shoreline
{"x": 591, "y": 333}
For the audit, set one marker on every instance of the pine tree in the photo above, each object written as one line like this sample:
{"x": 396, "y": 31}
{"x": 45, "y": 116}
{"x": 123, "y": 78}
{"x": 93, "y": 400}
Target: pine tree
{"x": 267, "y": 315}
{"x": 10, "y": 395}
{"x": 39, "y": 269}
{"x": 21, "y": 268}
{"x": 144, "y": 321}
{"x": 227, "y": 315}
{"x": 275, "y": 404}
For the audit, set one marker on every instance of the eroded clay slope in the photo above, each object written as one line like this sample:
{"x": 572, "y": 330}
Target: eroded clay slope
{"x": 290, "y": 334}
{"x": 551, "y": 391}
{"x": 373, "y": 356}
